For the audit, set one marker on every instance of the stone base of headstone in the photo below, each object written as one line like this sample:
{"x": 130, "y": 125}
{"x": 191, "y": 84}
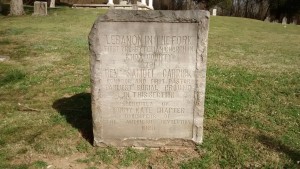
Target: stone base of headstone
{"x": 40, "y": 8}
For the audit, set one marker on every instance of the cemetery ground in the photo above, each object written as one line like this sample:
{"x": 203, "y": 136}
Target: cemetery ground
{"x": 252, "y": 107}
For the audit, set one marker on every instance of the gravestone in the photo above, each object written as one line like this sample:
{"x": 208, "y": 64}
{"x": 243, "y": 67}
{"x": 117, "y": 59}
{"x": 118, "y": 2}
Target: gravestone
{"x": 52, "y": 4}
{"x": 268, "y": 19}
{"x": 148, "y": 80}
{"x": 40, "y": 8}
{"x": 123, "y": 2}
{"x": 284, "y": 21}
{"x": 295, "y": 21}
{"x": 110, "y": 2}
{"x": 214, "y": 12}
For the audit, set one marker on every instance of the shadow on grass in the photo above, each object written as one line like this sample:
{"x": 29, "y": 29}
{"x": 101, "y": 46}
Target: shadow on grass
{"x": 5, "y": 9}
{"x": 28, "y": 9}
{"x": 279, "y": 146}
{"x": 77, "y": 111}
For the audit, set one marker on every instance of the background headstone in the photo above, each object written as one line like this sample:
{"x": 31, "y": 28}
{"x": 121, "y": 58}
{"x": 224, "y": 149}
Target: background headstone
{"x": 214, "y": 12}
{"x": 40, "y": 8}
{"x": 284, "y": 21}
{"x": 268, "y": 19}
{"x": 295, "y": 21}
{"x": 110, "y": 2}
{"x": 52, "y": 4}
{"x": 148, "y": 82}
{"x": 123, "y": 2}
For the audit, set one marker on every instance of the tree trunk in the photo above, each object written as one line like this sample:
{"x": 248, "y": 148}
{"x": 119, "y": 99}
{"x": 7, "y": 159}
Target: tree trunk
{"x": 238, "y": 11}
{"x": 16, "y": 7}
{"x": 232, "y": 9}
{"x": 267, "y": 12}
{"x": 246, "y": 8}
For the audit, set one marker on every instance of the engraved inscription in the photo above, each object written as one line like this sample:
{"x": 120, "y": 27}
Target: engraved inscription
{"x": 148, "y": 80}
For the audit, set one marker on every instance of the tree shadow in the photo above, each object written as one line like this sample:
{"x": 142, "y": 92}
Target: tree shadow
{"x": 77, "y": 110}
{"x": 5, "y": 9}
{"x": 279, "y": 146}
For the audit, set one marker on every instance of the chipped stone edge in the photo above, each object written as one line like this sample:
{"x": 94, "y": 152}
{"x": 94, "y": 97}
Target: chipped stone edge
{"x": 201, "y": 67}
{"x": 196, "y": 16}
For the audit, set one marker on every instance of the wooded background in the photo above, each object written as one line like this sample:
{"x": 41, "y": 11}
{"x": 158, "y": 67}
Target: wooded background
{"x": 271, "y": 10}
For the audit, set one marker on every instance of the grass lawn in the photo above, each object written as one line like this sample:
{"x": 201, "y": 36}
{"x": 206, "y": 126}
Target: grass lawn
{"x": 252, "y": 108}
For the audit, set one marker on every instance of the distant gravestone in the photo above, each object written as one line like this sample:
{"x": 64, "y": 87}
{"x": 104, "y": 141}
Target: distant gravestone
{"x": 52, "y": 4}
{"x": 295, "y": 21}
{"x": 123, "y": 2}
{"x": 40, "y": 8}
{"x": 284, "y": 21}
{"x": 214, "y": 12}
{"x": 268, "y": 19}
{"x": 110, "y": 2}
{"x": 148, "y": 82}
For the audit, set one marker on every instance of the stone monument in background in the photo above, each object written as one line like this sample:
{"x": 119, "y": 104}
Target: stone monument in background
{"x": 284, "y": 21}
{"x": 214, "y": 12}
{"x": 52, "y": 4}
{"x": 148, "y": 75}
{"x": 40, "y": 8}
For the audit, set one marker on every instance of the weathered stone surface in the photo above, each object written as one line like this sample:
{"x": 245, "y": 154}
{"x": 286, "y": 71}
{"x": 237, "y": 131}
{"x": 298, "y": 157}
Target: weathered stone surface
{"x": 148, "y": 74}
{"x": 40, "y": 8}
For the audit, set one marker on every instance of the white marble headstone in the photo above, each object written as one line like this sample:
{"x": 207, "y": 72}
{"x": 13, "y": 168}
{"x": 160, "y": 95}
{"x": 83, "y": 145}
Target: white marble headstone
{"x": 214, "y": 12}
